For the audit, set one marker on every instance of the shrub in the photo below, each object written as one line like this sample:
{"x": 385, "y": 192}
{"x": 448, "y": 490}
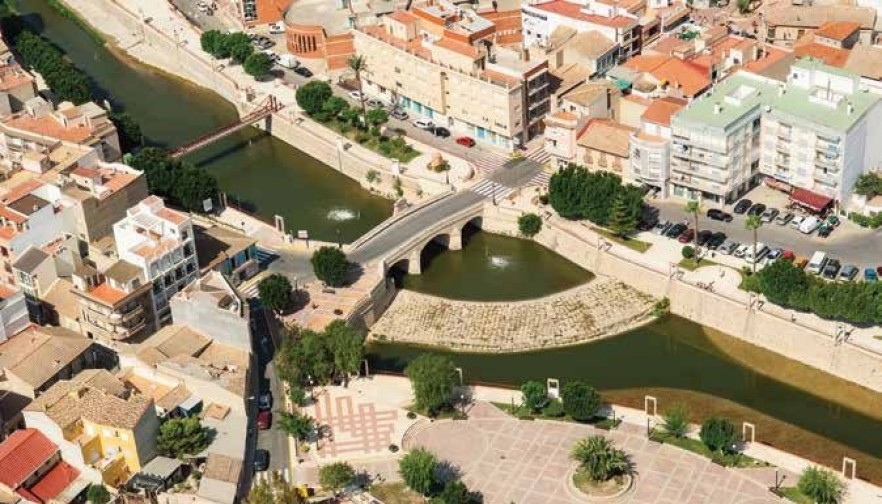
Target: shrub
{"x": 553, "y": 409}
{"x": 543, "y": 199}
{"x": 336, "y": 476}
{"x": 580, "y": 401}
{"x": 534, "y": 394}
{"x": 661, "y": 307}
{"x": 688, "y": 252}
{"x": 718, "y": 435}
{"x": 529, "y": 224}
{"x": 872, "y": 221}
{"x": 600, "y": 459}
{"x": 311, "y": 97}
{"x": 417, "y": 469}
{"x": 97, "y": 494}
{"x": 675, "y": 420}
{"x": 821, "y": 485}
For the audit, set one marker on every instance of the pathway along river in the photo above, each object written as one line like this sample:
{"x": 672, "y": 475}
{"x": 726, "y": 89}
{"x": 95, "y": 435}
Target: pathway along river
{"x": 673, "y": 359}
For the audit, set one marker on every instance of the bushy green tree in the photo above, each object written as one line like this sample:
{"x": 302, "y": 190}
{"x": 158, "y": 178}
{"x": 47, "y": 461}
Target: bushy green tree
{"x": 821, "y": 485}
{"x": 869, "y": 185}
{"x": 600, "y": 459}
{"x": 535, "y": 394}
{"x": 719, "y": 435}
{"x": 675, "y": 420}
{"x": 581, "y": 401}
{"x": 456, "y": 492}
{"x": 334, "y": 106}
{"x": 687, "y": 252}
{"x": 65, "y": 80}
{"x": 622, "y": 220}
{"x": 97, "y": 494}
{"x": 529, "y": 224}
{"x": 130, "y": 135}
{"x": 215, "y": 43}
{"x": 311, "y": 97}
{"x": 181, "y": 183}
{"x": 347, "y": 347}
{"x": 336, "y": 476}
{"x": 330, "y": 266}
{"x": 275, "y": 292}
{"x": 179, "y": 437}
{"x": 417, "y": 469}
{"x": 258, "y": 64}
{"x": 377, "y": 117}
{"x": 432, "y": 378}
{"x": 193, "y": 186}
{"x": 782, "y": 282}
{"x": 239, "y": 47}
{"x": 576, "y": 193}
{"x": 298, "y": 425}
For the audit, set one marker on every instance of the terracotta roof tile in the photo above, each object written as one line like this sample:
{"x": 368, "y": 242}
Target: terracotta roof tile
{"x": 661, "y": 110}
{"x": 457, "y": 47}
{"x": 574, "y": 11}
{"x": 54, "y": 482}
{"x": 48, "y": 126}
{"x": 838, "y": 30}
{"x": 21, "y": 454}
{"x": 607, "y": 136}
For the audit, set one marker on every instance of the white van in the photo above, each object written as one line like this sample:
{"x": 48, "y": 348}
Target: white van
{"x": 817, "y": 262}
{"x": 809, "y": 225}
{"x": 288, "y": 61}
{"x": 761, "y": 250}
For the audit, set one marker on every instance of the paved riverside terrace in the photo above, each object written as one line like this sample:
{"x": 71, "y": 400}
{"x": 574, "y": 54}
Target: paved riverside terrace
{"x": 601, "y": 308}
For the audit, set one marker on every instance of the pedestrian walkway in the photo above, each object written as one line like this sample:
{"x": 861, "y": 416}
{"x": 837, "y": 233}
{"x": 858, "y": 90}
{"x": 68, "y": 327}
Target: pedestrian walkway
{"x": 485, "y": 165}
{"x": 491, "y": 189}
{"x": 539, "y": 155}
{"x": 267, "y": 476}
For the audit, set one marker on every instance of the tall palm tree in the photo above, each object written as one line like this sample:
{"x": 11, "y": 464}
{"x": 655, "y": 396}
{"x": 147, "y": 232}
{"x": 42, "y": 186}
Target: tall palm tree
{"x": 753, "y": 223}
{"x": 694, "y": 208}
{"x": 358, "y": 64}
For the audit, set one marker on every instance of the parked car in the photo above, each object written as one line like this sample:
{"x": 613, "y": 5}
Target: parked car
{"x": 788, "y": 255}
{"x": 466, "y": 141}
{"x": 756, "y": 209}
{"x": 742, "y": 206}
{"x": 784, "y": 218}
{"x": 825, "y": 229}
{"x": 832, "y": 268}
{"x": 647, "y": 223}
{"x": 728, "y": 247}
{"x": 761, "y": 250}
{"x": 399, "y": 114}
{"x": 675, "y": 230}
{"x": 357, "y": 95}
{"x": 797, "y": 221}
{"x": 687, "y": 236}
{"x": 265, "y": 401}
{"x": 741, "y": 250}
{"x": 833, "y": 220}
{"x": 817, "y": 263}
{"x": 264, "y": 420}
{"x": 773, "y": 255}
{"x": 769, "y": 215}
{"x": 716, "y": 240}
{"x": 719, "y": 215}
{"x": 374, "y": 103}
{"x": 440, "y": 131}
{"x": 703, "y": 237}
{"x": 809, "y": 225}
{"x": 303, "y": 71}
{"x": 848, "y": 273}
{"x": 423, "y": 123}
{"x": 661, "y": 227}
{"x": 261, "y": 460}
{"x": 277, "y": 28}
{"x": 870, "y": 275}
{"x": 288, "y": 61}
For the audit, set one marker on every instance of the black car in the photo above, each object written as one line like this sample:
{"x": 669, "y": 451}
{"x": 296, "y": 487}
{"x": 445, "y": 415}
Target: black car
{"x": 261, "y": 460}
{"x": 717, "y": 214}
{"x": 716, "y": 240}
{"x": 647, "y": 224}
{"x": 832, "y": 268}
{"x": 742, "y": 206}
{"x": 440, "y": 131}
{"x": 303, "y": 71}
{"x": 756, "y": 209}
{"x": 703, "y": 237}
{"x": 675, "y": 230}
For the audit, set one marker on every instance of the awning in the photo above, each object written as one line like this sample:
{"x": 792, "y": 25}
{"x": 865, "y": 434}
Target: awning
{"x": 810, "y": 200}
{"x": 777, "y": 184}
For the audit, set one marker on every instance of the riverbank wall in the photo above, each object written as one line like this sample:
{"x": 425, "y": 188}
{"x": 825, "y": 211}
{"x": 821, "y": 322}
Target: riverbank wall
{"x": 762, "y": 325}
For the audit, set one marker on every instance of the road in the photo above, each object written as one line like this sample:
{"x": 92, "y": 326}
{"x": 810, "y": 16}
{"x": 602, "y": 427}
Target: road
{"x": 848, "y": 243}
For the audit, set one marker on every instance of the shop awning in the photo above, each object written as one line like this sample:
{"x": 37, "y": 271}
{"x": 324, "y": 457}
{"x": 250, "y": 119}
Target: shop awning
{"x": 777, "y": 184}
{"x": 810, "y": 200}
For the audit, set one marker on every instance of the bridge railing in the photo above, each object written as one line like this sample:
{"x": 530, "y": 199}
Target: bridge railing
{"x": 386, "y": 224}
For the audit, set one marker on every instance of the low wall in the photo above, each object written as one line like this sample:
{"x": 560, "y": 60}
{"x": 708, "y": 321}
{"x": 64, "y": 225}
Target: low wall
{"x": 714, "y": 310}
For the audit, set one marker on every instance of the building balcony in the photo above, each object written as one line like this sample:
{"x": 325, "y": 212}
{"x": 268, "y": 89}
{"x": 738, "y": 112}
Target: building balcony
{"x": 826, "y": 179}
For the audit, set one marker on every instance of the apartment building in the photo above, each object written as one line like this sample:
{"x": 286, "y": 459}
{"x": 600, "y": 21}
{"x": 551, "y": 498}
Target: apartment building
{"x": 715, "y": 140}
{"x": 650, "y": 157}
{"x": 31, "y": 468}
{"x": 100, "y": 426}
{"x": 116, "y": 305}
{"x": 16, "y": 88}
{"x": 603, "y": 146}
{"x": 160, "y": 242}
{"x": 561, "y": 131}
{"x": 821, "y": 131}
{"x": 212, "y": 306}
{"x": 229, "y": 252}
{"x": 43, "y": 274}
{"x": 13, "y": 313}
{"x": 440, "y": 62}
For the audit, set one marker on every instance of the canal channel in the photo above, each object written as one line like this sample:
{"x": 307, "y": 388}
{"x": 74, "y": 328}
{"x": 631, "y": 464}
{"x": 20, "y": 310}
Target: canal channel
{"x": 795, "y": 407}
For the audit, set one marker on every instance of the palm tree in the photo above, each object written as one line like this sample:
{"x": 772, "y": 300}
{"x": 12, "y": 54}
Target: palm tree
{"x": 753, "y": 223}
{"x": 358, "y": 64}
{"x": 694, "y": 207}
{"x": 600, "y": 459}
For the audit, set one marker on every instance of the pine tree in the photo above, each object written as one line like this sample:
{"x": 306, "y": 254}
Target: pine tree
{"x": 622, "y": 220}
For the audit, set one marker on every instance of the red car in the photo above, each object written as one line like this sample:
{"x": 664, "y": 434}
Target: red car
{"x": 466, "y": 141}
{"x": 264, "y": 420}
{"x": 687, "y": 236}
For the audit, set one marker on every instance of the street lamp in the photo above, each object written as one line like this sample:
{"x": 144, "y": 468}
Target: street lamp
{"x": 462, "y": 403}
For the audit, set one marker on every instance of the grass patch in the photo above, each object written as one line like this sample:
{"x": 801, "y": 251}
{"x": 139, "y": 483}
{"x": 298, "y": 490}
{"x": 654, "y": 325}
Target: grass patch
{"x": 695, "y": 263}
{"x": 632, "y": 243}
{"x": 385, "y": 146}
{"x": 696, "y": 446}
{"x": 396, "y": 493}
{"x": 793, "y": 495}
{"x": 523, "y": 413}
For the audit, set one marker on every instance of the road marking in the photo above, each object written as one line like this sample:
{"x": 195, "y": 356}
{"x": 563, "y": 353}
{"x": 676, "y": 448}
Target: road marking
{"x": 488, "y": 189}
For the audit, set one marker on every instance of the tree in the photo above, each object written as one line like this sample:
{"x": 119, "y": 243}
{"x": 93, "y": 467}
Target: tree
{"x": 432, "y": 378}
{"x": 299, "y": 425}
{"x": 179, "y": 437}
{"x": 580, "y": 400}
{"x": 622, "y": 221}
{"x": 65, "y": 80}
{"x": 334, "y": 106}
{"x": 417, "y": 469}
{"x": 753, "y": 223}
{"x": 535, "y": 395}
{"x": 130, "y": 136}
{"x": 693, "y": 207}
{"x": 869, "y": 185}
{"x": 783, "y": 283}
{"x": 275, "y": 292}
{"x": 193, "y": 186}
{"x": 688, "y": 252}
{"x": 330, "y": 266}
{"x": 336, "y": 476}
{"x": 576, "y": 193}
{"x": 529, "y": 224}
{"x": 311, "y": 97}
{"x": 258, "y": 64}
{"x": 274, "y": 490}
{"x": 358, "y": 64}
{"x": 377, "y": 117}
{"x": 347, "y": 346}
{"x": 456, "y": 492}
{"x": 239, "y": 47}
{"x": 215, "y": 43}
{"x": 718, "y": 435}
{"x": 97, "y": 494}
{"x": 182, "y": 183}
{"x": 675, "y": 420}
{"x": 821, "y": 485}
{"x": 600, "y": 459}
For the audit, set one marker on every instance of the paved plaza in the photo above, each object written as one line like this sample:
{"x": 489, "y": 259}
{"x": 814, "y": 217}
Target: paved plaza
{"x": 526, "y": 462}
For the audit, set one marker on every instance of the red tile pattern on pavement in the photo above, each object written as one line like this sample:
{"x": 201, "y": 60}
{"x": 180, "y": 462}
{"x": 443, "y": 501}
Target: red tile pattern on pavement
{"x": 353, "y": 429}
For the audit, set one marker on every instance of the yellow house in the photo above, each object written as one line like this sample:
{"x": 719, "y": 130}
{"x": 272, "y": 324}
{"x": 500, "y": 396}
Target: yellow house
{"x": 101, "y": 428}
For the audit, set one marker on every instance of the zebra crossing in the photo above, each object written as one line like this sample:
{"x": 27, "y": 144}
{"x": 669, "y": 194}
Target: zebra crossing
{"x": 248, "y": 291}
{"x": 260, "y": 476}
{"x": 539, "y": 155}
{"x": 485, "y": 165}
{"x": 491, "y": 189}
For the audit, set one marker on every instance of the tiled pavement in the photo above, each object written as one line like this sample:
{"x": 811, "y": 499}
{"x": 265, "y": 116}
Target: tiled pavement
{"x": 528, "y": 463}
{"x": 356, "y": 428}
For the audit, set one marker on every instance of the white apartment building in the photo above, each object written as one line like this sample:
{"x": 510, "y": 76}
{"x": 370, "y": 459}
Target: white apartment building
{"x": 440, "y": 62}
{"x": 821, "y": 130}
{"x": 160, "y": 241}
{"x": 650, "y": 158}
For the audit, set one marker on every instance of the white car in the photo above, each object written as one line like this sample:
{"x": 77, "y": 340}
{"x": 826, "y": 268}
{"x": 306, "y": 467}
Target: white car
{"x": 797, "y": 221}
{"x": 276, "y": 28}
{"x": 742, "y": 250}
{"x": 423, "y": 123}
{"x": 357, "y": 96}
